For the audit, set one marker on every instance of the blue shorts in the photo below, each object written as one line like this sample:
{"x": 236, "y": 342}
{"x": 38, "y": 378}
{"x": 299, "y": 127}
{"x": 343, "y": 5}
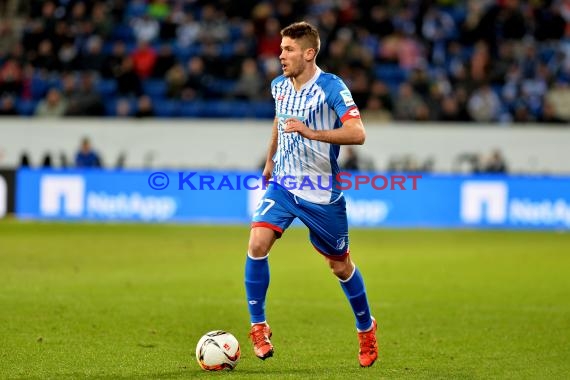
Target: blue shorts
{"x": 327, "y": 223}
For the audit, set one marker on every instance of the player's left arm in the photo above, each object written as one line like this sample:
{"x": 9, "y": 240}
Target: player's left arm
{"x": 351, "y": 133}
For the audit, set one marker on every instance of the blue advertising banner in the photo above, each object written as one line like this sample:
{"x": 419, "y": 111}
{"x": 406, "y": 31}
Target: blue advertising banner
{"x": 121, "y": 196}
{"x": 373, "y": 199}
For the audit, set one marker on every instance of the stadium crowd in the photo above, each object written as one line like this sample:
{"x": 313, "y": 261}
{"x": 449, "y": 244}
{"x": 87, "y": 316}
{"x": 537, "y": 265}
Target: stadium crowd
{"x": 423, "y": 60}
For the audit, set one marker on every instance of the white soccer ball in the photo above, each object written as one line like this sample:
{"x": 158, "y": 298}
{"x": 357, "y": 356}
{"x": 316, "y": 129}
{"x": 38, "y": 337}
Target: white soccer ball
{"x": 217, "y": 350}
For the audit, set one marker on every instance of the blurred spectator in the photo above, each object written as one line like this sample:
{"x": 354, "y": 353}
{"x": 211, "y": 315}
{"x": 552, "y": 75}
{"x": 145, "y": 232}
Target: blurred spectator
{"x": 480, "y": 63}
{"x": 113, "y": 62}
{"x": 378, "y": 21}
{"x": 359, "y": 85}
{"x": 8, "y": 36}
{"x": 158, "y": 9}
{"x": 63, "y": 160}
{"x": 549, "y": 115}
{"x": 270, "y": 39}
{"x": 165, "y": 60}
{"x": 496, "y": 163}
{"x": 408, "y": 103}
{"x": 250, "y": 83}
{"x": 11, "y": 77}
{"x": 375, "y": 111}
{"x": 499, "y": 68}
{"x": 128, "y": 82}
{"x": 522, "y": 114}
{"x": 549, "y": 23}
{"x": 47, "y": 162}
{"x": 214, "y": 27}
{"x": 484, "y": 105}
{"x": 176, "y": 79}
{"x": 351, "y": 160}
{"x": 380, "y": 91}
{"x": 196, "y": 85}
{"x": 168, "y": 27}
{"x": 144, "y": 107}
{"x": 86, "y": 101}
{"x": 559, "y": 97}
{"x": 7, "y": 106}
{"x": 188, "y": 32}
{"x": 68, "y": 57}
{"x": 53, "y": 105}
{"x": 145, "y": 28}
{"x": 420, "y": 81}
{"x": 93, "y": 59}
{"x": 102, "y": 22}
{"x": 437, "y": 28}
{"x": 144, "y": 59}
{"x": 450, "y": 110}
{"x": 24, "y": 160}
{"x": 86, "y": 157}
{"x": 46, "y": 59}
{"x": 123, "y": 108}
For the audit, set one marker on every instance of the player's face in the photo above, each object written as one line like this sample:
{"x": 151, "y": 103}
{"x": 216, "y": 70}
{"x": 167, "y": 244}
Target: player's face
{"x": 292, "y": 57}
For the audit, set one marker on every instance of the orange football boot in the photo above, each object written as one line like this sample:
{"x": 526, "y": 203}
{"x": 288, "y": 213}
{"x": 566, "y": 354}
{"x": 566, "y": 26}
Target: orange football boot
{"x": 368, "y": 352}
{"x": 259, "y": 335}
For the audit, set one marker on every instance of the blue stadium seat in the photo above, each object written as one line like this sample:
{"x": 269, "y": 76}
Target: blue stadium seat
{"x": 458, "y": 13}
{"x": 390, "y": 73}
{"x": 135, "y": 9}
{"x": 227, "y": 50}
{"x": 110, "y": 104}
{"x": 192, "y": 108}
{"x": 107, "y": 87}
{"x": 263, "y": 109}
{"x": 166, "y": 108}
{"x": 224, "y": 109}
{"x": 546, "y": 53}
{"x": 155, "y": 88}
{"x": 235, "y": 32}
{"x": 26, "y": 107}
{"x": 222, "y": 86}
{"x": 123, "y": 32}
{"x": 39, "y": 86}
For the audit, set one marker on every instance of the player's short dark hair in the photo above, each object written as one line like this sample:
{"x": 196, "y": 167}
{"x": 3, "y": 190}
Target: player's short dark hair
{"x": 303, "y": 31}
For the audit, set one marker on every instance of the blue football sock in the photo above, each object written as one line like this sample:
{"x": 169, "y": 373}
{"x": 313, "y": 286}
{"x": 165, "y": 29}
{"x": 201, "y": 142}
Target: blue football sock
{"x": 256, "y": 284}
{"x": 356, "y": 294}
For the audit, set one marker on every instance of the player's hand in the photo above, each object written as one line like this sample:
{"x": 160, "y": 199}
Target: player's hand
{"x": 295, "y": 125}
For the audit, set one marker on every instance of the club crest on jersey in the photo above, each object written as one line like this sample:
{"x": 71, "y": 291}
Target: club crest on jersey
{"x": 340, "y": 243}
{"x": 347, "y": 98}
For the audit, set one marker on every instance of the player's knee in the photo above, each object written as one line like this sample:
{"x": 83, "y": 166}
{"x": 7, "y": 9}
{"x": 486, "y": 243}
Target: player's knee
{"x": 258, "y": 248}
{"x": 341, "y": 269}
{"x": 260, "y": 241}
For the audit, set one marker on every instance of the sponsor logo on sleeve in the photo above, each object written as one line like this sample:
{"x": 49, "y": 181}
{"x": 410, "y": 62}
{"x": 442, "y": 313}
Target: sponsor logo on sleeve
{"x": 347, "y": 98}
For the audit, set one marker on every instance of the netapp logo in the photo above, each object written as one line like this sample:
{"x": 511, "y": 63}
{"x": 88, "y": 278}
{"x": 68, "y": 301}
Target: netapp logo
{"x": 366, "y": 212}
{"x": 68, "y": 193}
{"x": 56, "y": 190}
{"x": 3, "y": 197}
{"x": 489, "y": 202}
{"x": 484, "y": 201}
{"x": 545, "y": 212}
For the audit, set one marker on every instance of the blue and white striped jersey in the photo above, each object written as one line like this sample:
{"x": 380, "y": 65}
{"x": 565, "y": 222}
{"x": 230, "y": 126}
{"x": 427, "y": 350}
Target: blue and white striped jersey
{"x": 310, "y": 167}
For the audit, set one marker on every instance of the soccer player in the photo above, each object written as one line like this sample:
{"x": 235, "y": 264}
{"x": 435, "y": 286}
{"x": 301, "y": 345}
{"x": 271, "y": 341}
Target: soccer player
{"x": 315, "y": 114}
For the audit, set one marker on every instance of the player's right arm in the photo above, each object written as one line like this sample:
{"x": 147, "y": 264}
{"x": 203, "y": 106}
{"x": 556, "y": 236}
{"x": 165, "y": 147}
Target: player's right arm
{"x": 268, "y": 169}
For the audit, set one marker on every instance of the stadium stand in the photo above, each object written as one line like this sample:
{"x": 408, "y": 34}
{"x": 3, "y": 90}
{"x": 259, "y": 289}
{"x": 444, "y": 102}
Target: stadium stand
{"x": 450, "y": 60}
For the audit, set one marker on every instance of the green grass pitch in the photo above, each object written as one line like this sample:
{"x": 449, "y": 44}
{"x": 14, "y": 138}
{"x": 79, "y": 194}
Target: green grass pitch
{"x": 131, "y": 301}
